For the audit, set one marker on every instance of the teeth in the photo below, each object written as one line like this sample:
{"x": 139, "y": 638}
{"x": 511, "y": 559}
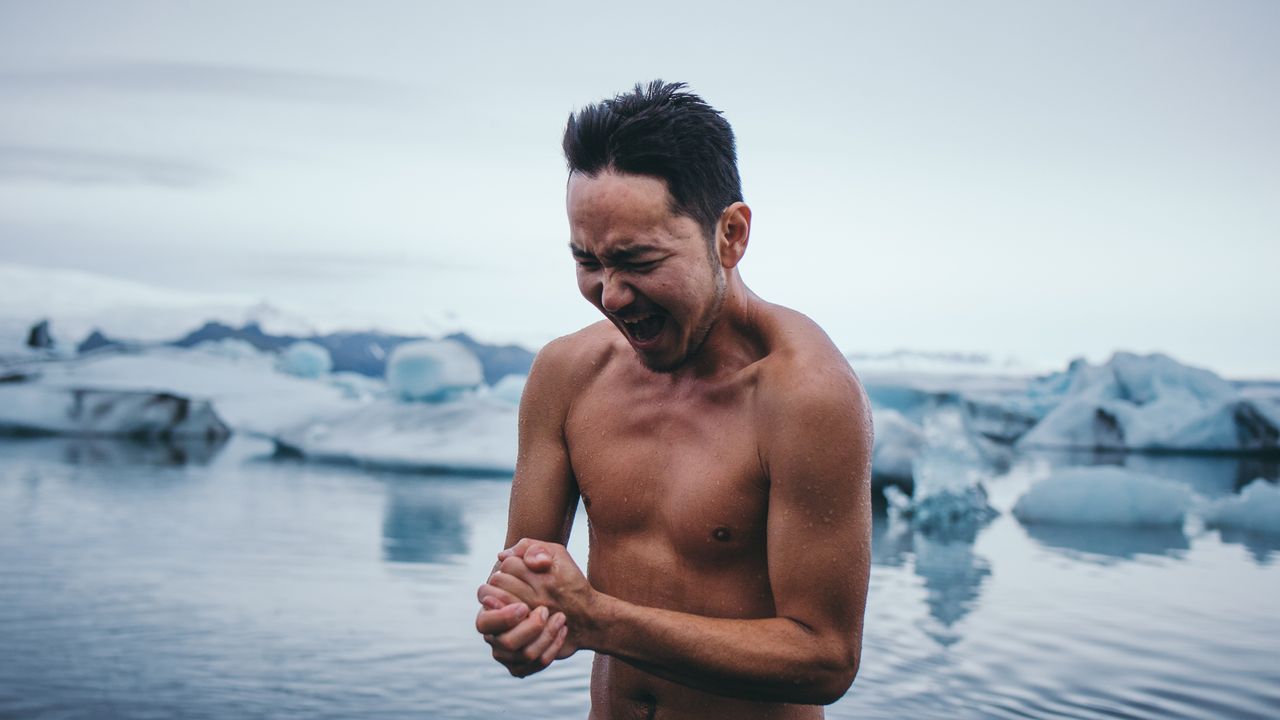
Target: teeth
{"x": 644, "y": 328}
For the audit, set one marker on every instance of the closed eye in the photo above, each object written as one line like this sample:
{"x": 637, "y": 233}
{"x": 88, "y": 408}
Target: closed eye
{"x": 642, "y": 267}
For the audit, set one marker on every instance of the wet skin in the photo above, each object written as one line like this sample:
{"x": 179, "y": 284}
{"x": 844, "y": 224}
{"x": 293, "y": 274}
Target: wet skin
{"x": 721, "y": 447}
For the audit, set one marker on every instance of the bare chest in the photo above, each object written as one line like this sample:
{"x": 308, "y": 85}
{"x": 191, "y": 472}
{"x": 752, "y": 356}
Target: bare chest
{"x": 679, "y": 471}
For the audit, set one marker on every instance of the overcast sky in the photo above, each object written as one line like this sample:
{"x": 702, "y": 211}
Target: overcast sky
{"x": 1030, "y": 179}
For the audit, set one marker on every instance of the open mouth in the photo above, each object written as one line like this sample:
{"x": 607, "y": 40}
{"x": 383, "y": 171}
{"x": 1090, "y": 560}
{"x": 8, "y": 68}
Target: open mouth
{"x": 646, "y": 328}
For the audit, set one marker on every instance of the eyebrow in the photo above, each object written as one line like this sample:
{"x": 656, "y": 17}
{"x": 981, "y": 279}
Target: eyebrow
{"x": 620, "y": 255}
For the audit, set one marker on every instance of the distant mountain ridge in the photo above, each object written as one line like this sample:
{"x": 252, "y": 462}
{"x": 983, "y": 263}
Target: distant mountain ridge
{"x": 363, "y": 352}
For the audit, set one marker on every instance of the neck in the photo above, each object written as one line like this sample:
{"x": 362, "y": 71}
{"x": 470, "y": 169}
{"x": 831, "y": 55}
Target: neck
{"x": 734, "y": 340}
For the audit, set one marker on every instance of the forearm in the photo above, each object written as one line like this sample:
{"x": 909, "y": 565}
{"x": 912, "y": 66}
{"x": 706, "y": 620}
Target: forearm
{"x": 771, "y": 659}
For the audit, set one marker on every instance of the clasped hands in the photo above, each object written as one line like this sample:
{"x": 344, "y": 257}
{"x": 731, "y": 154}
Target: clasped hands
{"x": 535, "y": 606}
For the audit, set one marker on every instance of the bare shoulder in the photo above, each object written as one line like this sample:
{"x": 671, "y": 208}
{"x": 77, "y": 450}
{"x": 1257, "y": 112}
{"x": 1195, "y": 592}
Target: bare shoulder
{"x": 806, "y": 384}
{"x": 568, "y": 363}
{"x": 802, "y": 360}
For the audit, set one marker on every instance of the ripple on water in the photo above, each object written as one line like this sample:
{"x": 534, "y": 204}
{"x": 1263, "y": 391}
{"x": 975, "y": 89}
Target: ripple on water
{"x": 249, "y": 589}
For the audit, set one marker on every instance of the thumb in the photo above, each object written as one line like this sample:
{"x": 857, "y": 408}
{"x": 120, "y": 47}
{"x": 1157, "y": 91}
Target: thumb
{"x": 538, "y": 558}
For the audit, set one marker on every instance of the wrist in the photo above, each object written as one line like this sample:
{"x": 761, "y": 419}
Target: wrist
{"x": 595, "y": 620}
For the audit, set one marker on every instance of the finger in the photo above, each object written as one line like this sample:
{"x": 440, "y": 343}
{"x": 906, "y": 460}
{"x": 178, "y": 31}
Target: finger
{"x": 514, "y": 566}
{"x": 508, "y": 645}
{"x": 521, "y": 590}
{"x": 534, "y": 651}
{"x": 516, "y": 550}
{"x": 520, "y": 566}
{"x": 553, "y": 653}
{"x": 502, "y": 620}
{"x": 538, "y": 554}
{"x": 501, "y": 596}
{"x": 557, "y": 631}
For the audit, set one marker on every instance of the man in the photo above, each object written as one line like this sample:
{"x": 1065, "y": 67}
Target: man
{"x": 720, "y": 444}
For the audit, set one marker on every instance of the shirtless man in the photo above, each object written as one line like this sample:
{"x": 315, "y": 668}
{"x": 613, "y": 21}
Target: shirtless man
{"x": 720, "y": 444}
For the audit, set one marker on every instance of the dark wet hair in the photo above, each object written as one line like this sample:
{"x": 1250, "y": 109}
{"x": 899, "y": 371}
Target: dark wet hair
{"x": 666, "y": 132}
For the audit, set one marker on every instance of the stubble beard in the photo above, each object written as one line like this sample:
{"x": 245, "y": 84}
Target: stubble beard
{"x": 703, "y": 329}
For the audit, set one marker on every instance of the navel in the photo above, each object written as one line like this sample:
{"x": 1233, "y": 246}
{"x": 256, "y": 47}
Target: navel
{"x": 722, "y": 534}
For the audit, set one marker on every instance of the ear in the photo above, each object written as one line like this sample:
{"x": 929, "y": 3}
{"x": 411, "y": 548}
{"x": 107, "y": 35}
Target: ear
{"x": 732, "y": 234}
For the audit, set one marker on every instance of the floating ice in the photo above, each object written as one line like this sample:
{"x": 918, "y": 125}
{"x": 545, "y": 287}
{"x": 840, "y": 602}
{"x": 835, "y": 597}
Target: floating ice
{"x": 344, "y": 418}
{"x": 432, "y": 370}
{"x": 358, "y": 387}
{"x": 1149, "y": 402}
{"x": 1001, "y": 418}
{"x": 306, "y": 360}
{"x": 469, "y": 434}
{"x": 898, "y": 441}
{"x": 1256, "y": 509}
{"x": 32, "y": 408}
{"x": 509, "y": 388}
{"x": 246, "y": 390}
{"x": 1104, "y": 496}
{"x": 949, "y": 497}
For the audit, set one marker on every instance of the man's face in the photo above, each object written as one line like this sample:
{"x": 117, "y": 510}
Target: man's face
{"x": 647, "y": 269}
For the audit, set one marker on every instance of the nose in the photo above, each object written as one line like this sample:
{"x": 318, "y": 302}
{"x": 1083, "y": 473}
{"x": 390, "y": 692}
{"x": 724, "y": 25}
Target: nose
{"x": 616, "y": 293}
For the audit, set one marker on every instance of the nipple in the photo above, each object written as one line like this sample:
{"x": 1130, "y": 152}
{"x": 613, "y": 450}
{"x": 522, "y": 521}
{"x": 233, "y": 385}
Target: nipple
{"x": 721, "y": 533}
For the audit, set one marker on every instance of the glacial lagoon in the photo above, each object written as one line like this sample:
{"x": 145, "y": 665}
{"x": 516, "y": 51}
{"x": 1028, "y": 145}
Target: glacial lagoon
{"x": 153, "y": 582}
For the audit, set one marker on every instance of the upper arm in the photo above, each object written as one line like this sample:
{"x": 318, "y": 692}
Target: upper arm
{"x": 544, "y": 494}
{"x": 817, "y": 451}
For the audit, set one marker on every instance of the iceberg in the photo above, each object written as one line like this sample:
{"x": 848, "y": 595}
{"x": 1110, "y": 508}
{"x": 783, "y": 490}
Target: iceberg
{"x": 1255, "y": 509}
{"x": 1001, "y": 418}
{"x": 171, "y": 393}
{"x": 949, "y": 498}
{"x": 897, "y": 443}
{"x": 355, "y": 386}
{"x": 248, "y": 393}
{"x": 306, "y": 360}
{"x": 510, "y": 388}
{"x": 433, "y": 370}
{"x": 83, "y": 412}
{"x": 1104, "y": 496}
{"x": 1149, "y": 402}
{"x": 466, "y": 435}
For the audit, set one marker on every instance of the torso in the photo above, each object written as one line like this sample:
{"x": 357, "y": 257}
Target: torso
{"x": 677, "y": 501}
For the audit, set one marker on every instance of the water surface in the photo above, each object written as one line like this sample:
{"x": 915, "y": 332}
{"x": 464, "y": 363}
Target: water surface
{"x": 145, "y": 584}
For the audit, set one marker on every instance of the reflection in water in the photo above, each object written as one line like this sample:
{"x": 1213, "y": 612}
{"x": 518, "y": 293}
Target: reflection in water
{"x": 1105, "y": 543}
{"x": 165, "y": 453}
{"x": 889, "y": 544}
{"x": 1261, "y": 546}
{"x": 247, "y": 588}
{"x": 1207, "y": 475}
{"x": 953, "y": 576}
{"x": 114, "y": 452}
{"x": 421, "y": 525}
